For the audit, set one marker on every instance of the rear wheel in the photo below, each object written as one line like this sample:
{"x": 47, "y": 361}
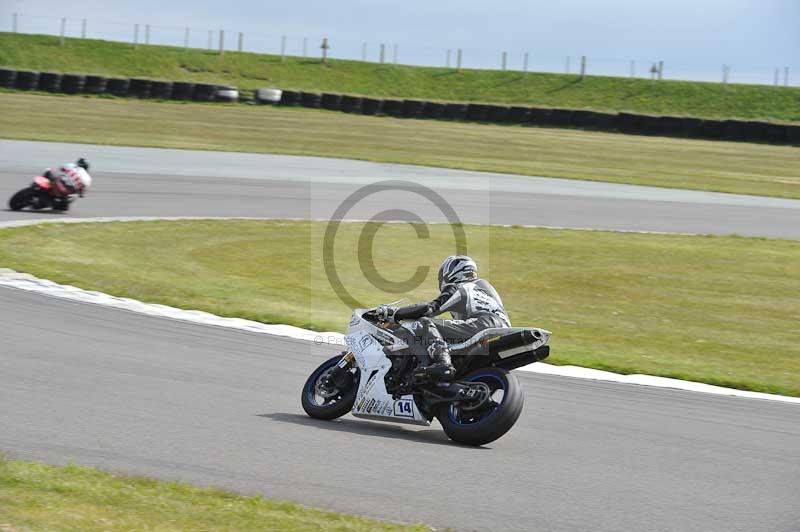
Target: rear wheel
{"x": 322, "y": 398}
{"x": 21, "y": 199}
{"x": 493, "y": 416}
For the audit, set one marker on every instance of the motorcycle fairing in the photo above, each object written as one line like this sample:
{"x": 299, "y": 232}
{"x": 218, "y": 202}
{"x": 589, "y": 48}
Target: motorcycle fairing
{"x": 42, "y": 182}
{"x": 372, "y": 399}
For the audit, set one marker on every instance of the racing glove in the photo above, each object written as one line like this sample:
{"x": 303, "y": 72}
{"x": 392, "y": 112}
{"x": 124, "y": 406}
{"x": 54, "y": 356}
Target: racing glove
{"x": 385, "y": 313}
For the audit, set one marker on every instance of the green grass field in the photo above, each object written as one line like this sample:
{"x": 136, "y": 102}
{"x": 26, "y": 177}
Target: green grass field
{"x": 681, "y": 163}
{"x": 247, "y": 71}
{"x": 39, "y": 497}
{"x": 722, "y": 310}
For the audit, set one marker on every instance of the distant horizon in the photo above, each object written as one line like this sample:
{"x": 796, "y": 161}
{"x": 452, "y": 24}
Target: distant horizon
{"x": 774, "y": 34}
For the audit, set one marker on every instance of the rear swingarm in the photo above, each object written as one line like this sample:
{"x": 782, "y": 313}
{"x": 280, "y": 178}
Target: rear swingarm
{"x": 473, "y": 393}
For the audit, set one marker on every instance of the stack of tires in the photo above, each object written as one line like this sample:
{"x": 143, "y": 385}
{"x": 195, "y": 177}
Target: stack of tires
{"x": 456, "y": 111}
{"x": 73, "y": 83}
{"x": 204, "y": 92}
{"x": 96, "y": 84}
{"x": 477, "y": 112}
{"x": 497, "y": 113}
{"x": 290, "y": 98}
{"x": 118, "y": 86}
{"x": 352, "y": 104}
{"x": 519, "y": 115}
{"x": 26, "y": 80}
{"x": 393, "y": 107}
{"x": 312, "y": 100}
{"x": 331, "y": 102}
{"x": 50, "y": 81}
{"x": 7, "y": 77}
{"x": 413, "y": 108}
{"x": 161, "y": 90}
{"x": 140, "y": 88}
{"x": 371, "y": 106}
{"x": 182, "y": 90}
{"x": 226, "y": 93}
{"x": 434, "y": 110}
{"x": 268, "y": 96}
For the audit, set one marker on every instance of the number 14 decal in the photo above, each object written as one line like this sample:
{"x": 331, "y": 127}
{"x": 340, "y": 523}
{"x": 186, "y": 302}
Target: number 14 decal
{"x": 403, "y": 408}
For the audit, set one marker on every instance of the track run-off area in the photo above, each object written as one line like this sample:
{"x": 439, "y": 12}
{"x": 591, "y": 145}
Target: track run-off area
{"x": 215, "y": 406}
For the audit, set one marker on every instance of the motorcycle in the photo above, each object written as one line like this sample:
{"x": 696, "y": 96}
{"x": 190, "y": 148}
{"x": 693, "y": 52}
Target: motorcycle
{"x": 40, "y": 195}
{"x": 374, "y": 379}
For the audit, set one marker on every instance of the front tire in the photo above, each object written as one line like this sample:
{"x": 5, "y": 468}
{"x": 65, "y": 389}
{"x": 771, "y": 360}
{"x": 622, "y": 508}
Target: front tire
{"x": 328, "y": 403}
{"x": 492, "y": 419}
{"x": 21, "y": 199}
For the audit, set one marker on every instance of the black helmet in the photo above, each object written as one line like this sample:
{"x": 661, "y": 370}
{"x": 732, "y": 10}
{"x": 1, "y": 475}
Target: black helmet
{"x": 457, "y": 269}
{"x": 83, "y": 163}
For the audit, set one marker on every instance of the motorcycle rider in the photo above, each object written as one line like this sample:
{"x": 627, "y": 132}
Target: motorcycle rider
{"x": 474, "y": 304}
{"x": 70, "y": 178}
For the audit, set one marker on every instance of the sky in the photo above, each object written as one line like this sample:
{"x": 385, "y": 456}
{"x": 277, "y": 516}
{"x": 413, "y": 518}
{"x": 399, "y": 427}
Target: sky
{"x": 694, "y": 38}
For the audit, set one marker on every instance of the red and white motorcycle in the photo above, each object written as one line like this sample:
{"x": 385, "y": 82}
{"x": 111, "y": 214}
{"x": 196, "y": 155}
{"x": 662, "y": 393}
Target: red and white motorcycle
{"x": 41, "y": 194}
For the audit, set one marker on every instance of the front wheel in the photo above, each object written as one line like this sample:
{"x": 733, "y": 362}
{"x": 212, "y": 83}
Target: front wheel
{"x": 493, "y": 417}
{"x": 21, "y": 199}
{"x": 322, "y": 398}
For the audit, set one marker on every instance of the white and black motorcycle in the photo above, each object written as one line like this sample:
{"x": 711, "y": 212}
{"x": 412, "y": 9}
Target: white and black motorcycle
{"x": 374, "y": 379}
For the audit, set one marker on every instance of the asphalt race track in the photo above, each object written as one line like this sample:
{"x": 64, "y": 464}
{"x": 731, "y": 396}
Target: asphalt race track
{"x": 220, "y": 407}
{"x": 149, "y": 182}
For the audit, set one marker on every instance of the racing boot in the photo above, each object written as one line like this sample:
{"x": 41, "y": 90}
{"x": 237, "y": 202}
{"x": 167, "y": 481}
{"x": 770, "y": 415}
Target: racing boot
{"x": 441, "y": 369}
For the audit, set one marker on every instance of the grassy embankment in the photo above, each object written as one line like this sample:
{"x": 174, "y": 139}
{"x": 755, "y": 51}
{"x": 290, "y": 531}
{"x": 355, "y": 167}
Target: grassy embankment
{"x": 35, "y": 496}
{"x": 681, "y": 163}
{"x": 247, "y": 70}
{"x": 722, "y": 310}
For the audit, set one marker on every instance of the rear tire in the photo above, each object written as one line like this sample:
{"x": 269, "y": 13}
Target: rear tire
{"x": 338, "y": 404}
{"x": 484, "y": 425}
{"x": 21, "y": 199}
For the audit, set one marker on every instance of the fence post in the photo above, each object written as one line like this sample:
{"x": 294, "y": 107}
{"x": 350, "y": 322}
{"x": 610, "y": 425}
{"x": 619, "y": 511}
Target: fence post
{"x": 283, "y": 48}
{"x": 363, "y": 51}
{"x": 147, "y": 33}
{"x": 660, "y": 70}
{"x": 786, "y": 76}
{"x": 583, "y": 67}
{"x": 525, "y": 62}
{"x": 503, "y": 59}
{"x": 325, "y": 47}
{"x": 135, "y": 35}
{"x": 240, "y": 45}
{"x": 447, "y": 63}
{"x": 383, "y": 53}
{"x": 221, "y": 42}
{"x": 63, "y": 30}
{"x": 83, "y": 28}
{"x": 458, "y": 60}
{"x": 394, "y": 54}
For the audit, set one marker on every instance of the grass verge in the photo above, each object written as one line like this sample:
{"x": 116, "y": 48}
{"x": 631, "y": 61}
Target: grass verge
{"x": 678, "y": 163}
{"x": 35, "y": 496}
{"x": 248, "y": 70}
{"x": 721, "y": 310}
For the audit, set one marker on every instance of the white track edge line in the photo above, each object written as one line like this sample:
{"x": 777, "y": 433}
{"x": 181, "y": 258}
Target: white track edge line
{"x": 22, "y": 281}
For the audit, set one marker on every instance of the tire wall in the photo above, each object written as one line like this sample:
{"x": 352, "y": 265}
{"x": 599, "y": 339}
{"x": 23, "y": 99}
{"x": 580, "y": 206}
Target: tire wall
{"x": 631, "y": 123}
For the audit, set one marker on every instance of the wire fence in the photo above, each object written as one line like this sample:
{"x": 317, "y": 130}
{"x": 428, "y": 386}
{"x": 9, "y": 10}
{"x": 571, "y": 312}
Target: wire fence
{"x": 345, "y": 47}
